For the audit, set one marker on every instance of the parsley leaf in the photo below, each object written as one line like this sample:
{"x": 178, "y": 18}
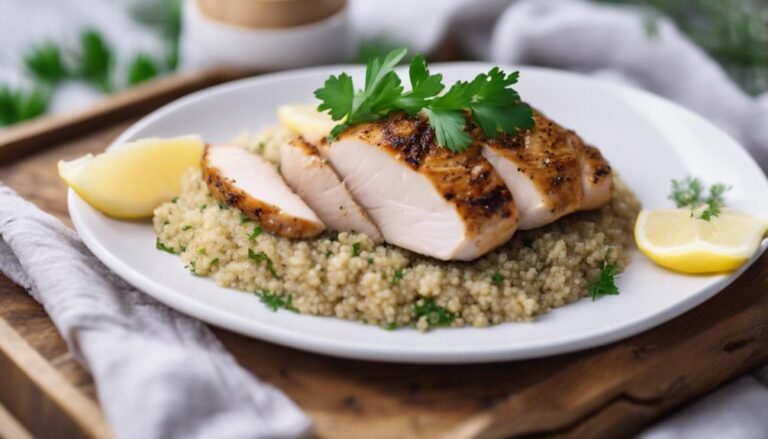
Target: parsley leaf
{"x": 436, "y": 315}
{"x": 256, "y": 232}
{"x": 162, "y": 247}
{"x": 262, "y": 257}
{"x": 605, "y": 284}
{"x": 356, "y": 249}
{"x": 497, "y": 278}
{"x": 276, "y": 301}
{"x": 489, "y": 99}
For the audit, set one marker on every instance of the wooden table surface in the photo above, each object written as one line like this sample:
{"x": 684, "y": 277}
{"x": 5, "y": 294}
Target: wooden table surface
{"x": 611, "y": 391}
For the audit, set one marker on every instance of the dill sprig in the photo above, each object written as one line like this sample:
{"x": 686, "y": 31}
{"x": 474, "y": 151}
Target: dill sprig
{"x": 689, "y": 192}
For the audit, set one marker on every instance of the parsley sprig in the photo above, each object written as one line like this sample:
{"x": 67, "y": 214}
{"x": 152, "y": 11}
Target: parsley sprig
{"x": 605, "y": 284}
{"x": 435, "y": 314}
{"x": 489, "y": 98}
{"x": 689, "y": 192}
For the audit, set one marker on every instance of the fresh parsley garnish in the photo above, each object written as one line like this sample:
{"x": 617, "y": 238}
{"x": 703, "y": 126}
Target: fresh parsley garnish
{"x": 202, "y": 250}
{"x": 605, "y": 284}
{"x": 162, "y": 247}
{"x": 397, "y": 276}
{"x": 276, "y": 301}
{"x": 328, "y": 253}
{"x": 436, "y": 315}
{"x": 489, "y": 98}
{"x": 262, "y": 257}
{"x": 390, "y": 326}
{"x": 356, "y": 249}
{"x": 214, "y": 261}
{"x": 497, "y": 278}
{"x": 256, "y": 232}
{"x": 689, "y": 192}
{"x": 185, "y": 228}
{"x": 244, "y": 218}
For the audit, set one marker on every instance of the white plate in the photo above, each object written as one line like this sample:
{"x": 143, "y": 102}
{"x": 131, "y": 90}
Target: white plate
{"x": 647, "y": 140}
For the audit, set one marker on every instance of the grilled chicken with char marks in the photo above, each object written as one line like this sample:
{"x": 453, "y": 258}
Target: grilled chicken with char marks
{"x": 423, "y": 197}
{"x": 245, "y": 180}
{"x": 310, "y": 175}
{"x": 550, "y": 171}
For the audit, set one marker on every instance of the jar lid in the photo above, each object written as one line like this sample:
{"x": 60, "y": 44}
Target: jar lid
{"x": 270, "y": 13}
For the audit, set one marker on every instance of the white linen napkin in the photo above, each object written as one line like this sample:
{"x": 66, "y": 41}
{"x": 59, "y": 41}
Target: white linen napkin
{"x": 158, "y": 373}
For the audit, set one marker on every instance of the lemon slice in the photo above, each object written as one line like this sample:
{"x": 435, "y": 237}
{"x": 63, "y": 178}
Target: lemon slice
{"x": 674, "y": 239}
{"x": 131, "y": 181}
{"x": 304, "y": 119}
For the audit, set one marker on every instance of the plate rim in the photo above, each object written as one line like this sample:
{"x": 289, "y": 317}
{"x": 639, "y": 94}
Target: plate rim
{"x": 393, "y": 354}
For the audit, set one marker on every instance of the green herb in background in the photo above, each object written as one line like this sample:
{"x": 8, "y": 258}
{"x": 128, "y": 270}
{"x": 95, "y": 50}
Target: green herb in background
{"x": 163, "y": 16}
{"x": 46, "y": 63}
{"x": 689, "y": 192}
{"x": 276, "y": 301}
{"x": 17, "y": 105}
{"x": 734, "y": 32}
{"x": 605, "y": 284}
{"x": 436, "y": 315}
{"x": 96, "y": 60}
{"x": 142, "y": 68}
{"x": 356, "y": 249}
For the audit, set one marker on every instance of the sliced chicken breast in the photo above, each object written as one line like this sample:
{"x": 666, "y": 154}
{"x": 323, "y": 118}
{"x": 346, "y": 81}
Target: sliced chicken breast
{"x": 422, "y": 196}
{"x": 540, "y": 169}
{"x": 314, "y": 180}
{"x": 249, "y": 182}
{"x": 597, "y": 176}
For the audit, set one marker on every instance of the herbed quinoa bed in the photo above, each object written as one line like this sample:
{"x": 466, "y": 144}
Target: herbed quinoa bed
{"x": 346, "y": 275}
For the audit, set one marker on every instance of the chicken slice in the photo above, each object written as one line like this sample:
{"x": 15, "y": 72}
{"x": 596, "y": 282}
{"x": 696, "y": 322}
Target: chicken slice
{"x": 422, "y": 196}
{"x": 542, "y": 168}
{"x": 315, "y": 181}
{"x": 597, "y": 178}
{"x": 249, "y": 182}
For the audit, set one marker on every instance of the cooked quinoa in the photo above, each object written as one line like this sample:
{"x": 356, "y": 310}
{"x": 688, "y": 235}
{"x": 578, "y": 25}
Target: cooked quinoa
{"x": 346, "y": 275}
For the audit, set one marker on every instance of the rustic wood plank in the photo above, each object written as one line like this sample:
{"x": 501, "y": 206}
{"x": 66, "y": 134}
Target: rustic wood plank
{"x": 612, "y": 391}
{"x": 10, "y": 428}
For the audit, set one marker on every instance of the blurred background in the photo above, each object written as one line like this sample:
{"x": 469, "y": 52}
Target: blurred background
{"x": 61, "y": 55}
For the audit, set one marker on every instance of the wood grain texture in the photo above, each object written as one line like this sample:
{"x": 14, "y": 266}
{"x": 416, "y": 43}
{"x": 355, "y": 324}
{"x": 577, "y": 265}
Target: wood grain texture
{"x": 612, "y": 391}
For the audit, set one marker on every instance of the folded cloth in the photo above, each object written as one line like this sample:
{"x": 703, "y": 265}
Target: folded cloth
{"x": 158, "y": 373}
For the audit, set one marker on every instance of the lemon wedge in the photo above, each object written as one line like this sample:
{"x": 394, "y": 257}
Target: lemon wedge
{"x": 674, "y": 239}
{"x": 304, "y": 119}
{"x": 132, "y": 180}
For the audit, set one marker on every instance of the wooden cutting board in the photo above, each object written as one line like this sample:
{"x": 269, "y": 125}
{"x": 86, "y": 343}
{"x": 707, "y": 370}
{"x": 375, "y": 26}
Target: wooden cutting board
{"x": 611, "y": 391}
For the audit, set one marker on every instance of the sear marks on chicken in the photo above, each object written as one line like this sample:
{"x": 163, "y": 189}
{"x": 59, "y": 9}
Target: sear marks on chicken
{"x": 423, "y": 197}
{"x": 550, "y": 171}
